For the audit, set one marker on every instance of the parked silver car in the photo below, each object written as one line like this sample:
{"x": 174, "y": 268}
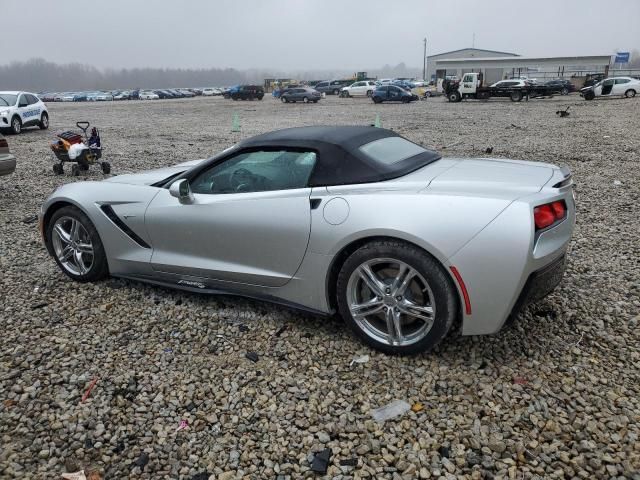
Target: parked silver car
{"x": 356, "y": 220}
{"x": 7, "y": 160}
{"x": 300, "y": 94}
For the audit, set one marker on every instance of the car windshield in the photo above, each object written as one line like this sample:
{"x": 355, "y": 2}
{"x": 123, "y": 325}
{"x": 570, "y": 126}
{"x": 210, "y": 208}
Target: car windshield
{"x": 8, "y": 99}
{"x": 391, "y": 150}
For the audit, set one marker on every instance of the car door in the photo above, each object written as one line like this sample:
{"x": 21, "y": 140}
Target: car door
{"x": 249, "y": 222}
{"x": 607, "y": 87}
{"x": 22, "y": 107}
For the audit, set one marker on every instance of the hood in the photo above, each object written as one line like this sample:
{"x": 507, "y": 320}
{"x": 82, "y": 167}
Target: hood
{"x": 149, "y": 177}
{"x": 492, "y": 177}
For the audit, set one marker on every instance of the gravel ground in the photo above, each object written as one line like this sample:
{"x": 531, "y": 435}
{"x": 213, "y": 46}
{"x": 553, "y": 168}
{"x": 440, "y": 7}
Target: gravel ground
{"x": 556, "y": 395}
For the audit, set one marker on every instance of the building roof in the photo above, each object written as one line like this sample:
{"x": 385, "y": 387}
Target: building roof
{"x": 523, "y": 59}
{"x": 474, "y": 49}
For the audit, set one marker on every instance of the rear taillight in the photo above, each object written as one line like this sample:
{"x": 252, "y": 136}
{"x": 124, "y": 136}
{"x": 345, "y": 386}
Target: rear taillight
{"x": 3, "y": 143}
{"x": 549, "y": 213}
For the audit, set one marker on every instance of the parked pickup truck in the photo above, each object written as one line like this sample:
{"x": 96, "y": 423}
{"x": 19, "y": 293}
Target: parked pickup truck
{"x": 470, "y": 88}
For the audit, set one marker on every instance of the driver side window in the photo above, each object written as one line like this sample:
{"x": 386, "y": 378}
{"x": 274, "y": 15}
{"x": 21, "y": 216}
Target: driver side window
{"x": 257, "y": 171}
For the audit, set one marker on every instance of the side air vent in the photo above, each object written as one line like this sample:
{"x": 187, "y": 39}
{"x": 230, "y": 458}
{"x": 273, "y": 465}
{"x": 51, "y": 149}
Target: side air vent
{"x": 108, "y": 211}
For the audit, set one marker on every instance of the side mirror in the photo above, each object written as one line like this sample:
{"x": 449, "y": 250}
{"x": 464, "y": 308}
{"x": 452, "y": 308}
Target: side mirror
{"x": 182, "y": 191}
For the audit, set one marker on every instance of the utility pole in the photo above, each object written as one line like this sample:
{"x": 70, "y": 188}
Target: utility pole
{"x": 473, "y": 40}
{"x": 424, "y": 61}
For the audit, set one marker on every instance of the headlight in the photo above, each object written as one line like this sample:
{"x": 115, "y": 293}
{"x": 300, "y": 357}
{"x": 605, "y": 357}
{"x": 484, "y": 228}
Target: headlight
{"x": 4, "y": 112}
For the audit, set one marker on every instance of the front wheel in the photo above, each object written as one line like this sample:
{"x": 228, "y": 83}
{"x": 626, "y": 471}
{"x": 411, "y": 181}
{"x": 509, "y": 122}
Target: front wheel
{"x": 44, "y": 121}
{"x": 377, "y": 100}
{"x": 396, "y": 297}
{"x": 589, "y": 96}
{"x": 74, "y": 243}
{"x": 369, "y": 93}
{"x": 16, "y": 125}
{"x": 454, "y": 97}
{"x": 305, "y": 99}
{"x": 336, "y": 92}
{"x": 564, "y": 91}
{"x": 284, "y": 99}
{"x": 630, "y": 93}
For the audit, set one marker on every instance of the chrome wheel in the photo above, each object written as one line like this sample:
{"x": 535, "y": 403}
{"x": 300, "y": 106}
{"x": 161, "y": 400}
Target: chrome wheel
{"x": 391, "y": 301}
{"x": 72, "y": 245}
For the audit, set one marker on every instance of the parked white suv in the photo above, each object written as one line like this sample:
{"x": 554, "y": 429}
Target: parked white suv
{"x": 364, "y": 88}
{"x": 22, "y": 109}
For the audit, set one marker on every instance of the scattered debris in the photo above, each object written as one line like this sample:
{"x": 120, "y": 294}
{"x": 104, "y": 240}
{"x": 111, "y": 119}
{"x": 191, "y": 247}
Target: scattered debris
{"x": 142, "y": 461}
{"x": 377, "y": 123}
{"x": 243, "y": 328}
{"x": 391, "y": 410}
{"x": 444, "y": 451}
{"x": 88, "y": 392}
{"x": 8, "y": 403}
{"x": 235, "y": 123}
{"x": 349, "y": 462}
{"x": 280, "y": 330}
{"x": 74, "y": 476}
{"x": 520, "y": 381}
{"x": 30, "y": 219}
{"x": 168, "y": 350}
{"x": 416, "y": 407}
{"x": 253, "y": 356}
{"x": 39, "y": 305}
{"x": 119, "y": 448}
{"x": 517, "y": 127}
{"x": 179, "y": 301}
{"x": 489, "y": 150}
{"x": 183, "y": 424}
{"x": 321, "y": 461}
{"x": 606, "y": 136}
{"x": 563, "y": 113}
{"x": 359, "y": 359}
{"x": 617, "y": 182}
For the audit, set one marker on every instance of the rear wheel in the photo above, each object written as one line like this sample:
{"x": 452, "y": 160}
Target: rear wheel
{"x": 284, "y": 100}
{"x": 516, "y": 96}
{"x": 44, "y": 121}
{"x": 336, "y": 92}
{"x": 377, "y": 100}
{"x": 396, "y": 297}
{"x": 564, "y": 91}
{"x": 76, "y": 246}
{"x": 305, "y": 99}
{"x": 58, "y": 169}
{"x": 630, "y": 93}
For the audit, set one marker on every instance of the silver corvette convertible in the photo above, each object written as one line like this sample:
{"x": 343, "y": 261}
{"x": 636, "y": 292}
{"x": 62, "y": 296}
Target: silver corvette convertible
{"x": 358, "y": 221}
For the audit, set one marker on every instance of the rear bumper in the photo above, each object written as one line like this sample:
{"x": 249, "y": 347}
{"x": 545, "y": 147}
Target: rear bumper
{"x": 539, "y": 284}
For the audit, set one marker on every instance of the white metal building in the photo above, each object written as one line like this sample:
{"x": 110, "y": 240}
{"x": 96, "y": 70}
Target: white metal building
{"x": 502, "y": 65}
{"x": 463, "y": 53}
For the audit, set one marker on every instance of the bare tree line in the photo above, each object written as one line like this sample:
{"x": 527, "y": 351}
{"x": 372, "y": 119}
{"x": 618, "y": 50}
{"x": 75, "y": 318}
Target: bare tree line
{"x": 40, "y": 75}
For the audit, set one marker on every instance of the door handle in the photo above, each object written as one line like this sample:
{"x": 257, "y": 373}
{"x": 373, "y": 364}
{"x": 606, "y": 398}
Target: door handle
{"x": 315, "y": 203}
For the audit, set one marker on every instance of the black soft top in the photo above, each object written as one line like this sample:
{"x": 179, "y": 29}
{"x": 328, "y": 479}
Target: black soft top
{"x": 340, "y": 162}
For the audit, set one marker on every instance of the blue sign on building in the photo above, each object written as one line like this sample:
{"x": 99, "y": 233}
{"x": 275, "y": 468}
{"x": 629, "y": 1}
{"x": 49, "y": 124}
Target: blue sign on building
{"x": 622, "y": 57}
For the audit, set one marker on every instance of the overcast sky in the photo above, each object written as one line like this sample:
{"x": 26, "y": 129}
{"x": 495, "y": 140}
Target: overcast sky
{"x": 306, "y": 34}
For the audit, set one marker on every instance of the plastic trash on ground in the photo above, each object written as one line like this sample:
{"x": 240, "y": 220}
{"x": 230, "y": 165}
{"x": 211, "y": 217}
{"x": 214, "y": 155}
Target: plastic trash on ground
{"x": 359, "y": 359}
{"x": 391, "y": 410}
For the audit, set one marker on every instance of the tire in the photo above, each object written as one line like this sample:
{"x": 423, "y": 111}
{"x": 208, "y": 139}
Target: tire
{"x": 336, "y": 92}
{"x": 284, "y": 99}
{"x": 516, "y": 96}
{"x": 106, "y": 168}
{"x": 369, "y": 93}
{"x": 377, "y": 100}
{"x": 406, "y": 99}
{"x": 630, "y": 93}
{"x": 305, "y": 99}
{"x": 589, "y": 96}
{"x": 430, "y": 294}
{"x": 44, "y": 121}
{"x": 82, "y": 266}
{"x": 564, "y": 91}
{"x": 454, "y": 97}
{"x": 58, "y": 169}
{"x": 16, "y": 125}
{"x": 75, "y": 170}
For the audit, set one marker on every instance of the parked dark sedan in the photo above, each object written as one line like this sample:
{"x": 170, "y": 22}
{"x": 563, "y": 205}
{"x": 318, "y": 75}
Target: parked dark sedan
{"x": 561, "y": 86}
{"x": 392, "y": 93}
{"x": 302, "y": 94}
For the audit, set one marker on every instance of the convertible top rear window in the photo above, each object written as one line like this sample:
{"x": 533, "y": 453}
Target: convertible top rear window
{"x": 391, "y": 150}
